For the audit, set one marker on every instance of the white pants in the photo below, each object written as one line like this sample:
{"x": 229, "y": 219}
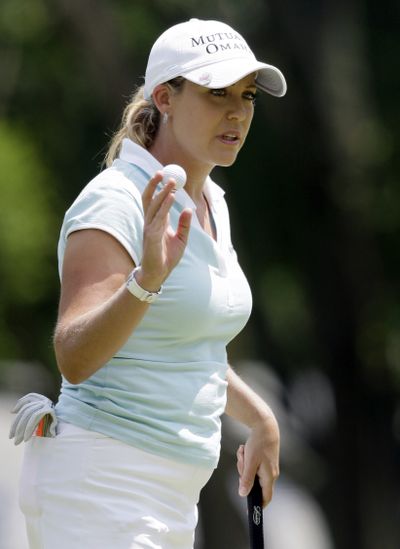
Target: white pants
{"x": 85, "y": 490}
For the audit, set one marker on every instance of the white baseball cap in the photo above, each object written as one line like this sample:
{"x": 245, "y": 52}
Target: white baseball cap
{"x": 208, "y": 53}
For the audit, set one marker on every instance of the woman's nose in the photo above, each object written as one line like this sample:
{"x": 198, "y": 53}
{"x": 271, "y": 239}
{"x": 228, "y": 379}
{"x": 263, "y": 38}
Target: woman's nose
{"x": 237, "y": 110}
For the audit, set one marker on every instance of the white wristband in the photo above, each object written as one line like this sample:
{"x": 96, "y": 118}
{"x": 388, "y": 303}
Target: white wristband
{"x": 139, "y": 292}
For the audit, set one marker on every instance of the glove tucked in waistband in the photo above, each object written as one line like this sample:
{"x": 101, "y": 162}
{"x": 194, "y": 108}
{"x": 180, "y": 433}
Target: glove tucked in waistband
{"x": 34, "y": 413}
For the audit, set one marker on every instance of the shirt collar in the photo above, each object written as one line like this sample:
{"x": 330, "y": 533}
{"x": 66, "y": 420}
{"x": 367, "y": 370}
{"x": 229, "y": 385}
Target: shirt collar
{"x": 135, "y": 154}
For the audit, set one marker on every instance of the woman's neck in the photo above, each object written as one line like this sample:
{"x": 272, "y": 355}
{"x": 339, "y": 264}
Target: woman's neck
{"x": 196, "y": 172}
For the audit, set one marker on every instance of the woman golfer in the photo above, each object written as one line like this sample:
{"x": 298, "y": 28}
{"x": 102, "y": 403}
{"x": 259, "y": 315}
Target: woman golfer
{"x": 151, "y": 294}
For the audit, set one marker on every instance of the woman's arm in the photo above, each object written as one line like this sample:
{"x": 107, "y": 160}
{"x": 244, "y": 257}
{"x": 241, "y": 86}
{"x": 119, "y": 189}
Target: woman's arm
{"x": 97, "y": 313}
{"x": 260, "y": 454}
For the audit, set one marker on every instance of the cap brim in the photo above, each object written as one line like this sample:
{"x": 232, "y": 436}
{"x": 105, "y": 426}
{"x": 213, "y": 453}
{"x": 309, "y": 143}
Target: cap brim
{"x": 225, "y": 73}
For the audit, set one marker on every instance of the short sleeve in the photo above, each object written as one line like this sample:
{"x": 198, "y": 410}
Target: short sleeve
{"x": 111, "y": 203}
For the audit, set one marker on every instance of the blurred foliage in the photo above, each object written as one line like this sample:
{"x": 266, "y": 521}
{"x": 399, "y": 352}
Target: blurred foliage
{"x": 27, "y": 221}
{"x": 28, "y": 233}
{"x": 314, "y": 200}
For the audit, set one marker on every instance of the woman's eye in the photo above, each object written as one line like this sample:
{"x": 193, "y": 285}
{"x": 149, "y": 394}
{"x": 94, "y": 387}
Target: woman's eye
{"x": 218, "y": 92}
{"x": 251, "y": 96}
{"x": 222, "y": 92}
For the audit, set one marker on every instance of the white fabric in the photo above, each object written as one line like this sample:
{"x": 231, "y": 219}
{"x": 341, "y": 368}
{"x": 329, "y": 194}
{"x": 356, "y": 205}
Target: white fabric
{"x": 210, "y": 54}
{"x": 85, "y": 490}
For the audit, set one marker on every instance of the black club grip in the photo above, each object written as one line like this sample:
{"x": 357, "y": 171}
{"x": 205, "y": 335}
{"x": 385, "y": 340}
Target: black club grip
{"x": 255, "y": 516}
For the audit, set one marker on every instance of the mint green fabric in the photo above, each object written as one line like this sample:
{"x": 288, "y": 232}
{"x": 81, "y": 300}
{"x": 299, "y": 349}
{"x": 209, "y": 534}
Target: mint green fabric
{"x": 165, "y": 389}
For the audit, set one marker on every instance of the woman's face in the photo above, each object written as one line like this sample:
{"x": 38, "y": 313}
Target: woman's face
{"x": 209, "y": 126}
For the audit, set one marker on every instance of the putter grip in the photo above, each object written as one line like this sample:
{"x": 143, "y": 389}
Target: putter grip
{"x": 255, "y": 516}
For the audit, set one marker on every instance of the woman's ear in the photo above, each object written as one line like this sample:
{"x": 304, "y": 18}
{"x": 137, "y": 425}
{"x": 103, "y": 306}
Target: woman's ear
{"x": 162, "y": 98}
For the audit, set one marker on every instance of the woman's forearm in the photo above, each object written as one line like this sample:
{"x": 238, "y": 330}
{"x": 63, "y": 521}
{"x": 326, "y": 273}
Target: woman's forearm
{"x": 243, "y": 404}
{"x": 85, "y": 342}
{"x": 260, "y": 454}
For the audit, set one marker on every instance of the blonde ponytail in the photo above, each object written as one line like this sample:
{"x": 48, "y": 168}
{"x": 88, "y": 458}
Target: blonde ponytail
{"x": 140, "y": 122}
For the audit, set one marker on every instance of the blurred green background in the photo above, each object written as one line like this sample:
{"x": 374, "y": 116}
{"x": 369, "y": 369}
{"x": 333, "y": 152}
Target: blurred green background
{"x": 315, "y": 208}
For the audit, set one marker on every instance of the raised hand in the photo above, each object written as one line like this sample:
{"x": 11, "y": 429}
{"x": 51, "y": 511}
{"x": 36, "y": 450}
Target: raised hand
{"x": 162, "y": 246}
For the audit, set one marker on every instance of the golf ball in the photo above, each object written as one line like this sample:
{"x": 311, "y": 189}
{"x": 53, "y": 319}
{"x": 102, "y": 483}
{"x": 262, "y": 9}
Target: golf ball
{"x": 177, "y": 173}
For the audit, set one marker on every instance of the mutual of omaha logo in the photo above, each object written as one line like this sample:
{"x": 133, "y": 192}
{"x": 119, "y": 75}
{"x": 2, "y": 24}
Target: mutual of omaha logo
{"x": 220, "y": 41}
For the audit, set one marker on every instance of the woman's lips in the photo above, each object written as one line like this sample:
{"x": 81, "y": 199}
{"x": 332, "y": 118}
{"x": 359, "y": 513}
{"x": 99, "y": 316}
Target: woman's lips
{"x": 229, "y": 138}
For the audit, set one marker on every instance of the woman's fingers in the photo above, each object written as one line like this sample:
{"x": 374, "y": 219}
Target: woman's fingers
{"x": 162, "y": 247}
{"x": 267, "y": 482}
{"x": 147, "y": 195}
{"x": 154, "y": 202}
{"x": 263, "y": 461}
{"x": 182, "y": 231}
{"x": 240, "y": 459}
{"x": 247, "y": 474}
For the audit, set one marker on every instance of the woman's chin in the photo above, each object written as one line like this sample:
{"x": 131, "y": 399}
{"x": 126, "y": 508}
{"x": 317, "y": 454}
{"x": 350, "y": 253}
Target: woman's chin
{"x": 227, "y": 161}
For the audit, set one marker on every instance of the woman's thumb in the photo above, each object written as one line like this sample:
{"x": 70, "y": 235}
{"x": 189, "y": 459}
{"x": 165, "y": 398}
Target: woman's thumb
{"x": 246, "y": 479}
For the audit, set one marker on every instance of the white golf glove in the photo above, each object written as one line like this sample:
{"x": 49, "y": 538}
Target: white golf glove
{"x": 30, "y": 410}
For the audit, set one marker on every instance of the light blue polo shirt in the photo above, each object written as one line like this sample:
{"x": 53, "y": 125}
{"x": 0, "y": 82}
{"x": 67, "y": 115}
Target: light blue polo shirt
{"x": 165, "y": 390}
